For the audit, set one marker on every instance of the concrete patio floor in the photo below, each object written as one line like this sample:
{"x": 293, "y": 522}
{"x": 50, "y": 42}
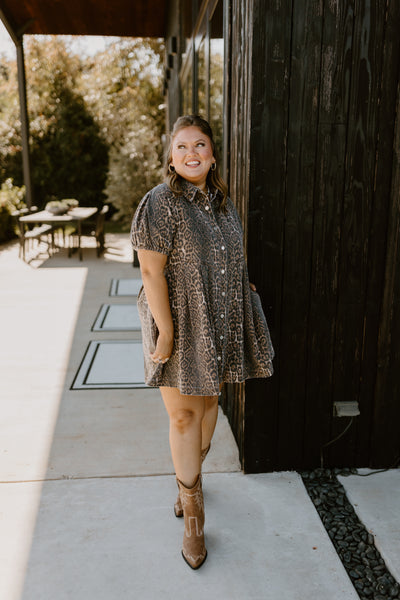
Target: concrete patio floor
{"x": 86, "y": 478}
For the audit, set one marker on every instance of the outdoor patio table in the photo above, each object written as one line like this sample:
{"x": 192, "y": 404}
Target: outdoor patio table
{"x": 74, "y": 215}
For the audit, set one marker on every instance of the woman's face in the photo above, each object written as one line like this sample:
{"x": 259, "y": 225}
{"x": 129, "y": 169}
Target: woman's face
{"x": 192, "y": 155}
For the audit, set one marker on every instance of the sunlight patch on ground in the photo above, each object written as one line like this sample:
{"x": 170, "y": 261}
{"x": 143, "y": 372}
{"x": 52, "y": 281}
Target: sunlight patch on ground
{"x": 39, "y": 307}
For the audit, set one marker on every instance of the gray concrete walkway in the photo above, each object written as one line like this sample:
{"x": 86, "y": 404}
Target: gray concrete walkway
{"x": 376, "y": 499}
{"x": 86, "y": 479}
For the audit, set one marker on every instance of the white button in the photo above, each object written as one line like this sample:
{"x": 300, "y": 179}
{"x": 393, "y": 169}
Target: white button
{"x": 207, "y": 208}
{"x": 221, "y": 337}
{"x": 218, "y": 358}
{"x": 222, "y": 315}
{"x": 222, "y": 247}
{"x": 222, "y": 271}
{"x": 223, "y": 293}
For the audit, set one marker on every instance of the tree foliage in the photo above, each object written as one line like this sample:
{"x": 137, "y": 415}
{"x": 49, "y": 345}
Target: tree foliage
{"x": 95, "y": 122}
{"x": 123, "y": 88}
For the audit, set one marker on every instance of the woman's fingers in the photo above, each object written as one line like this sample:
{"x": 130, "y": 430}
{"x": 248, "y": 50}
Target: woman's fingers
{"x": 253, "y": 287}
{"x": 163, "y": 349}
{"x": 158, "y": 359}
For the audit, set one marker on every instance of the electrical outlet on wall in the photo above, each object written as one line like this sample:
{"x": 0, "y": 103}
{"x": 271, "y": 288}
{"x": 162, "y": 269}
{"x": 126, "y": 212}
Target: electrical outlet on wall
{"x": 346, "y": 409}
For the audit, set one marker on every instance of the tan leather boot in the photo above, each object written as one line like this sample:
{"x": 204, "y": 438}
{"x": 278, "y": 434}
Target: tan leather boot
{"x": 193, "y": 548}
{"x": 178, "y": 510}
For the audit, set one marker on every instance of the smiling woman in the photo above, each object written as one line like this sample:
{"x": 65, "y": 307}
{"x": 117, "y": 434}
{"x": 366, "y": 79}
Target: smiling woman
{"x": 202, "y": 323}
{"x": 192, "y": 156}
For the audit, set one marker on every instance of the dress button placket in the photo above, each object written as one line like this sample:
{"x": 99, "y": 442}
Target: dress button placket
{"x": 221, "y": 283}
{"x": 222, "y": 336}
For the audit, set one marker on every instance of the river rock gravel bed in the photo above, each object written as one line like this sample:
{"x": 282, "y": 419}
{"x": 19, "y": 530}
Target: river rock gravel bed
{"x": 352, "y": 541}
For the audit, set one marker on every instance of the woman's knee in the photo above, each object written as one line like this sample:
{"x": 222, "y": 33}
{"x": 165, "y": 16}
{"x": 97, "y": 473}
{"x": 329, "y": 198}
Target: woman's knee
{"x": 184, "y": 419}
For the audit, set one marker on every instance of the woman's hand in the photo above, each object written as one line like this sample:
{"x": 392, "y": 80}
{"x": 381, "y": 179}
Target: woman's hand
{"x": 163, "y": 349}
{"x": 152, "y": 265}
{"x": 253, "y": 287}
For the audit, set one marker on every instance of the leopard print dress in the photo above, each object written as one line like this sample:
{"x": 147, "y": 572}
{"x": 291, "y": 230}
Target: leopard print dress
{"x": 220, "y": 331}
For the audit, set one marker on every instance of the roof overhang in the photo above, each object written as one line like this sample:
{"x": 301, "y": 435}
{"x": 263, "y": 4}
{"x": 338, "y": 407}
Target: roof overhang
{"x": 132, "y": 18}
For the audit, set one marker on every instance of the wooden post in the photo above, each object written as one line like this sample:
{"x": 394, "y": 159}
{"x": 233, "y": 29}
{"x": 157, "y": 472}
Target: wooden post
{"x": 24, "y": 123}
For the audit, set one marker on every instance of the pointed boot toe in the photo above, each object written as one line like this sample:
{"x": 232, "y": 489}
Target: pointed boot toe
{"x": 194, "y": 562}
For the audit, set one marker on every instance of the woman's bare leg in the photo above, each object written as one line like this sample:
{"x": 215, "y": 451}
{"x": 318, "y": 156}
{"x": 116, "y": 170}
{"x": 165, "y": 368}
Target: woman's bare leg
{"x": 186, "y": 415}
{"x": 185, "y": 418}
{"x": 209, "y": 420}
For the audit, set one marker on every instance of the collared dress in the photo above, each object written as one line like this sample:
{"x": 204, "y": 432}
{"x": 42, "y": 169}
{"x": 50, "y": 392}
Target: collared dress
{"x": 220, "y": 331}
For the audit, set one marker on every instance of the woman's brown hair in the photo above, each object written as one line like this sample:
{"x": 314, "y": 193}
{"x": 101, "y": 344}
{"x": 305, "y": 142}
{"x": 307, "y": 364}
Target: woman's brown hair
{"x": 214, "y": 179}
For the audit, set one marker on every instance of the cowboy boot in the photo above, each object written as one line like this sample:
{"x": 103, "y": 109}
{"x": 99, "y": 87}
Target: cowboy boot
{"x": 193, "y": 549}
{"x": 178, "y": 510}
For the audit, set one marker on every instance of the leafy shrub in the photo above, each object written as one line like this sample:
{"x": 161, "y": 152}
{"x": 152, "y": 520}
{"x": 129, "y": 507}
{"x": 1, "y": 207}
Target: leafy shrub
{"x": 11, "y": 199}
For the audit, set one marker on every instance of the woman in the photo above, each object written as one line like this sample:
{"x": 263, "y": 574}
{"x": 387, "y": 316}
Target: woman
{"x": 202, "y": 325}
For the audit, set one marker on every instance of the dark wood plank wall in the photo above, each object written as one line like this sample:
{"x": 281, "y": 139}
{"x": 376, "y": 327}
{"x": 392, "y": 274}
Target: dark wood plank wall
{"x": 266, "y": 219}
{"x": 240, "y": 107}
{"x": 239, "y": 168}
{"x": 304, "y": 65}
{"x": 333, "y": 100}
{"x": 385, "y": 419}
{"x": 323, "y": 106}
{"x": 366, "y": 207}
{"x": 354, "y": 272}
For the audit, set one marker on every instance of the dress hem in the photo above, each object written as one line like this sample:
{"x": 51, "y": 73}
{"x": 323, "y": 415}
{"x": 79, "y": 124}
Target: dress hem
{"x": 265, "y": 375}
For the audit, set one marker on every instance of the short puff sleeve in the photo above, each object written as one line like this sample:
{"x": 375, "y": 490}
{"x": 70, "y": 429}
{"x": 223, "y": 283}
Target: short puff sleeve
{"x": 154, "y": 222}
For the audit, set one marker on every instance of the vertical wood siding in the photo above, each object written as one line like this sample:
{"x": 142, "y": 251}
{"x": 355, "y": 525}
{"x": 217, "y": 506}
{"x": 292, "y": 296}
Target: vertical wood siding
{"x": 384, "y": 442}
{"x": 239, "y": 168}
{"x": 322, "y": 219}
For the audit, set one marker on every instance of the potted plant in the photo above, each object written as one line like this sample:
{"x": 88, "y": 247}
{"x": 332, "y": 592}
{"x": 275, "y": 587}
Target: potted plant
{"x": 70, "y": 202}
{"x": 57, "y": 207}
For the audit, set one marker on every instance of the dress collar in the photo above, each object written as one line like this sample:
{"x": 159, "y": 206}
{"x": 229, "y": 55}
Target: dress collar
{"x": 190, "y": 190}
